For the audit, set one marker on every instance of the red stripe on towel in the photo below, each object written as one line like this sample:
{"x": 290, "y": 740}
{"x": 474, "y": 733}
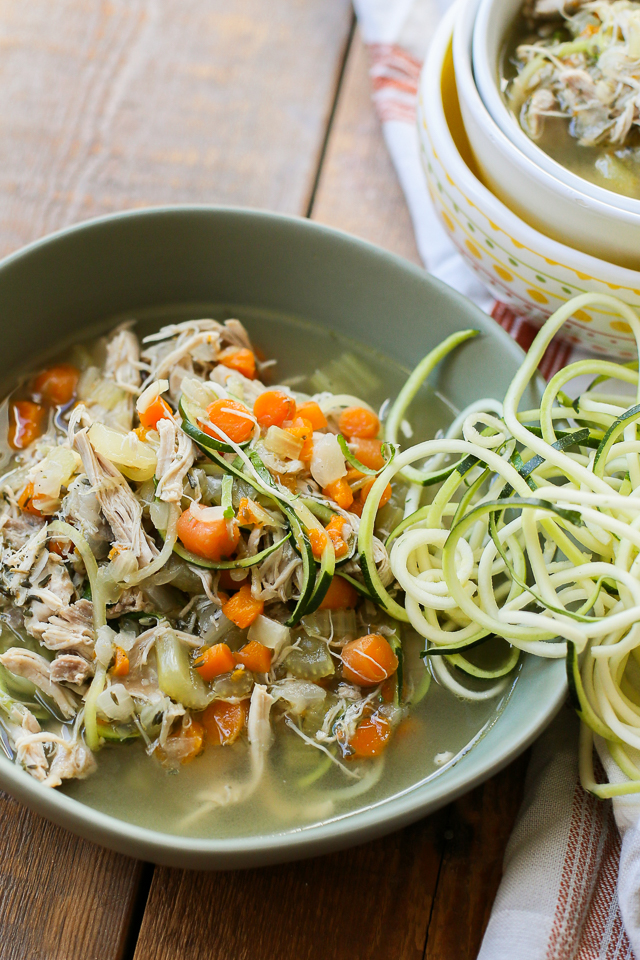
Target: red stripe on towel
{"x": 394, "y": 77}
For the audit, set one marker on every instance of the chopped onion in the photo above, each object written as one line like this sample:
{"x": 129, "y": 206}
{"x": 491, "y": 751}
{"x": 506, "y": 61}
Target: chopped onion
{"x": 206, "y": 514}
{"x": 151, "y": 394}
{"x": 135, "y": 457}
{"x": 115, "y": 702}
{"x": 270, "y": 633}
{"x": 55, "y": 471}
{"x": 283, "y": 444}
{"x": 159, "y": 514}
{"x": 300, "y": 694}
{"x": 327, "y": 461}
{"x": 104, "y": 646}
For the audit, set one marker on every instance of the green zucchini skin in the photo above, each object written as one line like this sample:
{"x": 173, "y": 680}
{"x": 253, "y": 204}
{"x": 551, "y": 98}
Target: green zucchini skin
{"x": 198, "y": 435}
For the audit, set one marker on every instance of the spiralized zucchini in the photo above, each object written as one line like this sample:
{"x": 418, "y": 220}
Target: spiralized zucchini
{"x": 532, "y": 534}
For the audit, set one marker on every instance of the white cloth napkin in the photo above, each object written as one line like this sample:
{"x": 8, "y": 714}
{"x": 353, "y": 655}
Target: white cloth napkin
{"x": 570, "y": 888}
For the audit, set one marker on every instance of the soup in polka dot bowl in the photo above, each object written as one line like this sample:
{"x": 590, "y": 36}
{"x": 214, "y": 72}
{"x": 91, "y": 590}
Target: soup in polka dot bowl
{"x": 530, "y": 272}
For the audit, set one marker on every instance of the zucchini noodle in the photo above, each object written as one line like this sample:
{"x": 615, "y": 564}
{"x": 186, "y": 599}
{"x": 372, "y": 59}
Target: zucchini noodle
{"x": 531, "y": 534}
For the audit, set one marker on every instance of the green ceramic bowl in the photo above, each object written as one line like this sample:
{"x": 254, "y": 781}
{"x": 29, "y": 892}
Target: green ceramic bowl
{"x": 162, "y": 260}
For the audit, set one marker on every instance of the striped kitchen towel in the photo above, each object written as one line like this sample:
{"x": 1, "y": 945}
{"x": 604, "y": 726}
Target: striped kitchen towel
{"x": 571, "y": 880}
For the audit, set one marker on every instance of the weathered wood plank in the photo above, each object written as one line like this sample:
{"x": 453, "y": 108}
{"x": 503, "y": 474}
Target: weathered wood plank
{"x": 60, "y": 897}
{"x": 109, "y": 105}
{"x": 370, "y": 902}
{"x": 358, "y": 190}
{"x": 476, "y": 837}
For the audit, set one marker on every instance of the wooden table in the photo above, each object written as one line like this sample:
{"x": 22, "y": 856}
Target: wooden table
{"x": 111, "y": 104}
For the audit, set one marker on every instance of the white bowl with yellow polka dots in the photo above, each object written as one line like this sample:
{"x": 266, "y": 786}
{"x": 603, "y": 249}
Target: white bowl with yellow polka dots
{"x": 522, "y": 267}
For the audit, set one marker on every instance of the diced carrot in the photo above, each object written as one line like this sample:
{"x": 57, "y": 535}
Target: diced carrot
{"x": 64, "y": 548}
{"x": 25, "y": 501}
{"x": 213, "y": 540}
{"x": 371, "y": 737}
{"x": 223, "y": 722}
{"x": 254, "y": 656}
{"x": 334, "y": 528}
{"x": 240, "y": 359}
{"x": 302, "y": 429}
{"x": 357, "y": 507}
{"x": 368, "y": 452}
{"x": 25, "y": 423}
{"x": 340, "y": 595}
{"x": 358, "y": 422}
{"x": 273, "y": 407}
{"x": 318, "y": 540}
{"x": 250, "y": 513}
{"x": 353, "y": 475}
{"x": 311, "y": 411}
{"x": 368, "y": 660}
{"x": 227, "y": 582}
{"x": 214, "y": 661}
{"x": 242, "y": 609}
{"x": 340, "y": 492}
{"x": 158, "y": 410}
{"x": 57, "y": 384}
{"x": 365, "y": 490}
{"x": 232, "y": 418}
{"x": 121, "y": 666}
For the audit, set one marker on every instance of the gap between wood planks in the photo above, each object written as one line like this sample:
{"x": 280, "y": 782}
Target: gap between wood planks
{"x": 144, "y": 889}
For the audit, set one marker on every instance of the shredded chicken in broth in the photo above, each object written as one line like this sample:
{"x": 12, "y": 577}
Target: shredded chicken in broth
{"x": 576, "y": 89}
{"x": 180, "y": 568}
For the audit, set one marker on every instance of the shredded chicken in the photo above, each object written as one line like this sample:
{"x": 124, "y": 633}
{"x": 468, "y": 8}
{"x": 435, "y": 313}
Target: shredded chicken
{"x": 175, "y": 458}
{"x": 71, "y": 629}
{"x": 71, "y": 668}
{"x": 33, "y": 667}
{"x": 120, "y": 507}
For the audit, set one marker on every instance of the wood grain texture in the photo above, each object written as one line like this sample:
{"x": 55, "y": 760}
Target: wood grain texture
{"x": 476, "y": 837}
{"x": 60, "y": 897}
{"x": 373, "y": 901}
{"x": 358, "y": 190}
{"x": 109, "y": 104}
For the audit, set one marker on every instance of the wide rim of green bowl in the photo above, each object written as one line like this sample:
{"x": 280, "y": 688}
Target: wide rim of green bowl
{"x": 343, "y": 830}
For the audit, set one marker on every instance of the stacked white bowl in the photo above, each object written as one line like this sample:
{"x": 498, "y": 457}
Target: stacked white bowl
{"x": 536, "y": 233}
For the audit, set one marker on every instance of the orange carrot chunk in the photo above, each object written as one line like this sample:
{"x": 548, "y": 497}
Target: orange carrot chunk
{"x": 183, "y": 745}
{"x": 213, "y": 540}
{"x": 318, "y": 540}
{"x": 213, "y": 661}
{"x": 231, "y": 417}
{"x": 223, "y": 722}
{"x": 358, "y": 422}
{"x": 368, "y": 452}
{"x": 57, "y": 384}
{"x": 311, "y": 411}
{"x": 121, "y": 666}
{"x": 273, "y": 407}
{"x": 368, "y": 660}
{"x": 334, "y": 528}
{"x": 371, "y": 737}
{"x": 25, "y": 501}
{"x": 365, "y": 490}
{"x": 240, "y": 359}
{"x": 25, "y": 423}
{"x": 340, "y": 492}
{"x": 340, "y": 595}
{"x": 242, "y": 609}
{"x": 158, "y": 410}
{"x": 254, "y": 656}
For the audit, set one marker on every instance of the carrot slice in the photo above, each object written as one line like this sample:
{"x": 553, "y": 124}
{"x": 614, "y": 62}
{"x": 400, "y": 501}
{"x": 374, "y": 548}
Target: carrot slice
{"x": 371, "y": 737}
{"x": 242, "y": 609}
{"x": 57, "y": 384}
{"x": 158, "y": 410}
{"x": 223, "y": 722}
{"x": 212, "y": 540}
{"x": 311, "y": 411}
{"x": 340, "y": 492}
{"x": 25, "y": 501}
{"x": 365, "y": 490}
{"x": 368, "y": 452}
{"x": 340, "y": 595}
{"x": 302, "y": 429}
{"x": 334, "y": 528}
{"x": 358, "y": 422}
{"x": 231, "y": 417}
{"x": 121, "y": 666}
{"x": 255, "y": 656}
{"x": 318, "y": 541}
{"x": 273, "y": 407}
{"x": 25, "y": 423}
{"x": 214, "y": 661}
{"x": 368, "y": 660}
{"x": 240, "y": 359}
